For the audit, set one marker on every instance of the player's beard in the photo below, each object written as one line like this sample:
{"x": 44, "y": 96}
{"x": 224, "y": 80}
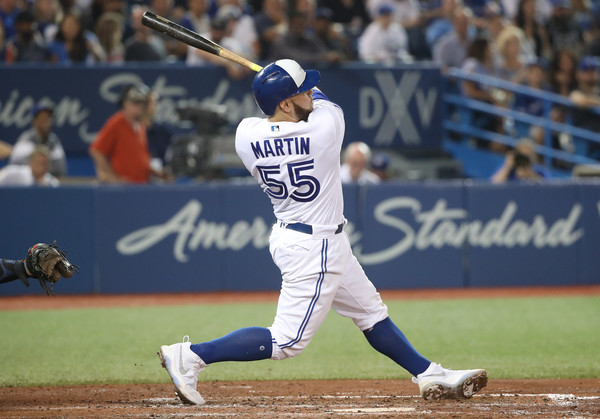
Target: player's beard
{"x": 301, "y": 113}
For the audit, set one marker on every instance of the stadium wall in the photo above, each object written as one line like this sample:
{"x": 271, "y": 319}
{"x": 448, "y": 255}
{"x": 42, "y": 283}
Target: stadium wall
{"x": 209, "y": 237}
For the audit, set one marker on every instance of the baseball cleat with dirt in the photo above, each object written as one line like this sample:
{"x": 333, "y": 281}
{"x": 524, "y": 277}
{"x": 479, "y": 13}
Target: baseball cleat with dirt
{"x": 438, "y": 383}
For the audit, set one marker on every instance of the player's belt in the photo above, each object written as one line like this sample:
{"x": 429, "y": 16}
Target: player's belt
{"x": 306, "y": 228}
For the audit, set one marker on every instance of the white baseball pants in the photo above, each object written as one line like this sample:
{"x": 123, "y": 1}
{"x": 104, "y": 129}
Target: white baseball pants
{"x": 318, "y": 272}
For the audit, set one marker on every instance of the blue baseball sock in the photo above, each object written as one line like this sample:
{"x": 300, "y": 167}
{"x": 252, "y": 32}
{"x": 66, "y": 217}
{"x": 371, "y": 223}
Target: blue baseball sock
{"x": 248, "y": 344}
{"x": 390, "y": 341}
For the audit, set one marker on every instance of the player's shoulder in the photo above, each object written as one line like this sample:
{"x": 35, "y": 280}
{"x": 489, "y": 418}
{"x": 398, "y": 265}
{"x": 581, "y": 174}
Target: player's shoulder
{"x": 247, "y": 128}
{"x": 249, "y": 124}
{"x": 324, "y": 108}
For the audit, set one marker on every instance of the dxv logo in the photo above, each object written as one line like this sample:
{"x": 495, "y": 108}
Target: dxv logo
{"x": 387, "y": 107}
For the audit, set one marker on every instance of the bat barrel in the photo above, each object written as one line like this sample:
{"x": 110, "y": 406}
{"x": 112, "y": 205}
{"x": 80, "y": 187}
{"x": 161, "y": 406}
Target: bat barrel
{"x": 172, "y": 29}
{"x": 178, "y": 32}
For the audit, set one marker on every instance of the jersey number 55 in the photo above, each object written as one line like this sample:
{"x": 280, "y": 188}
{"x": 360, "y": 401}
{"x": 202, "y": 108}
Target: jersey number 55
{"x": 279, "y": 190}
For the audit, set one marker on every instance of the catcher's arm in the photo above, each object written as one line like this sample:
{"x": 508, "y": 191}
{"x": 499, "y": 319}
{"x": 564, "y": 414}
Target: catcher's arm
{"x": 11, "y": 270}
{"x": 45, "y": 262}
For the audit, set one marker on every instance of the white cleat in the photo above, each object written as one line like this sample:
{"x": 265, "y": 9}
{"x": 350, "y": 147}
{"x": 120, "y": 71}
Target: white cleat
{"x": 183, "y": 365}
{"x": 438, "y": 383}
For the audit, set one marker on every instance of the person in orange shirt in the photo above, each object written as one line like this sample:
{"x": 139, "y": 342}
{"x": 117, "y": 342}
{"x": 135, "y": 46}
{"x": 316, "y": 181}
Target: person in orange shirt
{"x": 120, "y": 151}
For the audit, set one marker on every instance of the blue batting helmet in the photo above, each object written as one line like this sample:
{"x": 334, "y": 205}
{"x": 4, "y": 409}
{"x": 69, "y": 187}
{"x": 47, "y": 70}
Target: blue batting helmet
{"x": 281, "y": 80}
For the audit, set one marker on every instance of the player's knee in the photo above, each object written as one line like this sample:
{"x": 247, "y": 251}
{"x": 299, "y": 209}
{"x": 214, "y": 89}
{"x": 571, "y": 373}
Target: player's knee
{"x": 283, "y": 347}
{"x": 284, "y": 353}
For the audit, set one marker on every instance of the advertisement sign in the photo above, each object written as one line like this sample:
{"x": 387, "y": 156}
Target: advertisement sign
{"x": 212, "y": 237}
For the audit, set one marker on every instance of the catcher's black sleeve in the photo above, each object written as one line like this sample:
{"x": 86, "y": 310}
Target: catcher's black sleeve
{"x": 11, "y": 270}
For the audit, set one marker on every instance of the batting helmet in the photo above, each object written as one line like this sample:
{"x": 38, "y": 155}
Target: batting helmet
{"x": 281, "y": 80}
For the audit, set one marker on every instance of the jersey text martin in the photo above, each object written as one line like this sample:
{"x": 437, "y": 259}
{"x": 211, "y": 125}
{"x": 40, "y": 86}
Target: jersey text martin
{"x": 281, "y": 147}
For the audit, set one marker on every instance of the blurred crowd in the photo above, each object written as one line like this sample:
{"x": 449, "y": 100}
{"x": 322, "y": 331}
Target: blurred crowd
{"x": 313, "y": 32}
{"x": 553, "y": 45}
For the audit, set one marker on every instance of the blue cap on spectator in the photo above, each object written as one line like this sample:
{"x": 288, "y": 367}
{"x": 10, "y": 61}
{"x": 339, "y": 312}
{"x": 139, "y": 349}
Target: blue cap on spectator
{"x": 43, "y": 105}
{"x": 323, "y": 13}
{"x": 229, "y": 12}
{"x": 538, "y": 62}
{"x": 380, "y": 161}
{"x": 386, "y": 9}
{"x": 588, "y": 63}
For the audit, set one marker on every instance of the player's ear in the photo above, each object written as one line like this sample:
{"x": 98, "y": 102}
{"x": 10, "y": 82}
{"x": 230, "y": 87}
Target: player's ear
{"x": 286, "y": 106}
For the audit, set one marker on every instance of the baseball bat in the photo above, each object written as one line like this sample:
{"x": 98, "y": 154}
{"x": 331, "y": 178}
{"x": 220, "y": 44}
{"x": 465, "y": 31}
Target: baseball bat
{"x": 172, "y": 29}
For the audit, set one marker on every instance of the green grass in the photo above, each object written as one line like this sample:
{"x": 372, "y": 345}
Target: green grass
{"x": 511, "y": 338}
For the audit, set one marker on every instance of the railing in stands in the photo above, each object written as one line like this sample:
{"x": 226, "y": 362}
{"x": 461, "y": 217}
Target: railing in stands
{"x": 459, "y": 130}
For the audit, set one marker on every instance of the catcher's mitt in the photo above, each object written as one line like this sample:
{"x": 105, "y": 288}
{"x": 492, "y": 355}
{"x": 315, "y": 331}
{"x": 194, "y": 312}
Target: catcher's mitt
{"x": 47, "y": 263}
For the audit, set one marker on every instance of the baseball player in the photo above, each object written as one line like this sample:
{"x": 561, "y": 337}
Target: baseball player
{"x": 294, "y": 154}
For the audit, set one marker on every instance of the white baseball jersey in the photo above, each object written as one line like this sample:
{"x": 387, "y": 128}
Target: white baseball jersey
{"x": 298, "y": 166}
{"x": 298, "y": 163}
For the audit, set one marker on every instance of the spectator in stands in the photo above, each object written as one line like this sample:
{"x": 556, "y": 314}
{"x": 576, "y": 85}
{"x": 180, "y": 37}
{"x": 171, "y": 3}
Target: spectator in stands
{"x": 242, "y": 27}
{"x": 563, "y": 31}
{"x": 271, "y": 23}
{"x": 143, "y": 45}
{"x": 332, "y": 36}
{"x": 218, "y": 31}
{"x": 586, "y": 98}
{"x": 406, "y": 12}
{"x": 196, "y": 18}
{"x": 303, "y": 6}
{"x": 563, "y": 72}
{"x": 352, "y": 14}
{"x": 109, "y": 30}
{"x": 438, "y": 21}
{"x": 380, "y": 165}
{"x": 301, "y": 45}
{"x": 479, "y": 61}
{"x": 451, "y": 49}
{"x": 584, "y": 18}
{"x": 120, "y": 151}
{"x": 41, "y": 134}
{"x": 535, "y": 77}
{"x": 519, "y": 164}
{"x": 73, "y": 44}
{"x": 494, "y": 25}
{"x": 9, "y": 9}
{"x": 5, "y": 150}
{"x": 159, "y": 135}
{"x": 384, "y": 41}
{"x": 176, "y": 51}
{"x": 99, "y": 7}
{"x": 47, "y": 15}
{"x": 482, "y": 8}
{"x": 2, "y": 42}
{"x": 354, "y": 170}
{"x": 510, "y": 64}
{"x": 535, "y": 38}
{"x": 27, "y": 45}
{"x": 35, "y": 172}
